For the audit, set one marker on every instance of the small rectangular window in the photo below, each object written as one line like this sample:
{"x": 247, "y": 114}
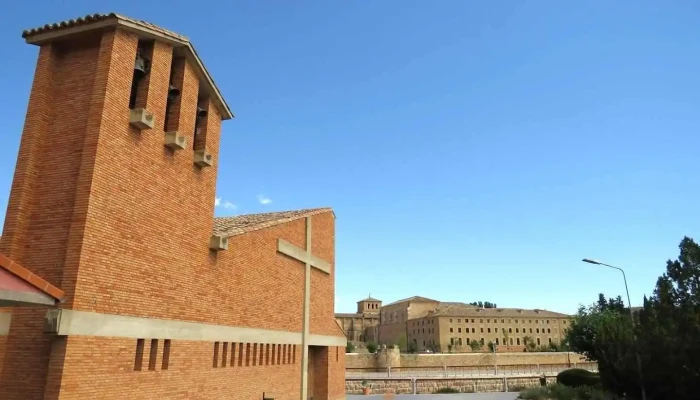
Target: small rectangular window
{"x": 240, "y": 354}
{"x": 255, "y": 354}
{"x": 233, "y": 354}
{"x": 138, "y": 361}
{"x": 267, "y": 354}
{"x": 224, "y": 355}
{"x": 154, "y": 355}
{"x": 166, "y": 355}
{"x": 247, "y": 354}
{"x": 215, "y": 362}
{"x": 262, "y": 353}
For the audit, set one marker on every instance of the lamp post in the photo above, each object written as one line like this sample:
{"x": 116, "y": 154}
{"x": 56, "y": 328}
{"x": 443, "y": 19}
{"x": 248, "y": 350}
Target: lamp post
{"x": 629, "y": 302}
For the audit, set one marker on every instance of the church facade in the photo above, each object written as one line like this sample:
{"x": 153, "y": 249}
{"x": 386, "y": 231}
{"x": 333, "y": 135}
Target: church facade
{"x": 116, "y": 280}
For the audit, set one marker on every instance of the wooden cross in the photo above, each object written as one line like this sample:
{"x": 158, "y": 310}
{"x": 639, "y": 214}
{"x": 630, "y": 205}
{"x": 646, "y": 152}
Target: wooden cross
{"x": 305, "y": 256}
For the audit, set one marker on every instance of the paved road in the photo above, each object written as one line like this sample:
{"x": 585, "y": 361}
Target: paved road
{"x": 464, "y": 396}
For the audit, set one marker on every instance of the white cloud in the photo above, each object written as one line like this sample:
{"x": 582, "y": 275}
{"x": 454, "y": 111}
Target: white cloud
{"x": 262, "y": 199}
{"x": 219, "y": 202}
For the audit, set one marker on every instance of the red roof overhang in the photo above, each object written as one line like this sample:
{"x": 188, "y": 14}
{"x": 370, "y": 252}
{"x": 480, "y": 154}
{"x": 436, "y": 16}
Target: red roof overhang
{"x": 20, "y": 287}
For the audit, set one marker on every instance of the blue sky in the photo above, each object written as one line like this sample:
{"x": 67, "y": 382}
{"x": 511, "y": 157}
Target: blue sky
{"x": 471, "y": 150}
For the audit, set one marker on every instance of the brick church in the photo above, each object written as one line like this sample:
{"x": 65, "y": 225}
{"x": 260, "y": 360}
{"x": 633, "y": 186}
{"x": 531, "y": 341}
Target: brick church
{"x": 116, "y": 281}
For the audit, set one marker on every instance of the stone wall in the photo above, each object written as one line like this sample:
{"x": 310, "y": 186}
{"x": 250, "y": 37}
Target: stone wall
{"x": 378, "y": 360}
{"x": 432, "y": 385}
{"x": 398, "y": 386}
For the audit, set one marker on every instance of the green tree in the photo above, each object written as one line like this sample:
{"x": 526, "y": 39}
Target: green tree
{"x": 350, "y": 348}
{"x": 490, "y": 345}
{"x": 402, "y": 342}
{"x": 665, "y": 333}
{"x": 475, "y": 345}
{"x": 412, "y": 347}
{"x": 529, "y": 343}
{"x": 372, "y": 347}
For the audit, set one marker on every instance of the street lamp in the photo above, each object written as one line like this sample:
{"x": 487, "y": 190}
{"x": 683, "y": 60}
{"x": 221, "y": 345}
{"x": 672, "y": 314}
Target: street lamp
{"x": 629, "y": 302}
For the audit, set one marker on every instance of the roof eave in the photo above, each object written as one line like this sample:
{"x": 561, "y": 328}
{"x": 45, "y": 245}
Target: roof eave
{"x": 44, "y": 37}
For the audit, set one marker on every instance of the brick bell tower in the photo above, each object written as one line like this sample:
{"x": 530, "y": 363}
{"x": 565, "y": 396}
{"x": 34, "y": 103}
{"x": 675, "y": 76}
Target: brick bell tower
{"x": 114, "y": 186}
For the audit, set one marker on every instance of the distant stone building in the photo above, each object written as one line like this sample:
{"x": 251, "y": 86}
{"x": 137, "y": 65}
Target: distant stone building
{"x": 361, "y": 326}
{"x": 453, "y": 326}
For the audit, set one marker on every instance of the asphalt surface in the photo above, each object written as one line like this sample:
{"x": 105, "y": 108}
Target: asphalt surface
{"x": 463, "y": 396}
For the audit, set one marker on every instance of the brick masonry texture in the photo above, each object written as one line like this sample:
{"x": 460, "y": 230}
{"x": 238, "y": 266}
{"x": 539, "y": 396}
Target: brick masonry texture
{"x": 122, "y": 224}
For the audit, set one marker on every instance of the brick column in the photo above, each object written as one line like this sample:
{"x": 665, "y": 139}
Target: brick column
{"x": 36, "y": 128}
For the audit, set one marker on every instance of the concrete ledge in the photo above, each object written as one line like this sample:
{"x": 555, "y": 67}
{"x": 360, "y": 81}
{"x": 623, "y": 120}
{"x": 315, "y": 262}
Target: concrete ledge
{"x": 5, "y": 320}
{"x": 9, "y": 298}
{"x": 84, "y": 323}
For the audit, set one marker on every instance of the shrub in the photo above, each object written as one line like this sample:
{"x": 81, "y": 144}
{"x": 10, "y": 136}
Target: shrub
{"x": 518, "y": 388}
{"x": 576, "y": 377}
{"x": 561, "y": 392}
{"x": 350, "y": 348}
{"x": 535, "y": 393}
{"x": 447, "y": 390}
{"x": 371, "y": 347}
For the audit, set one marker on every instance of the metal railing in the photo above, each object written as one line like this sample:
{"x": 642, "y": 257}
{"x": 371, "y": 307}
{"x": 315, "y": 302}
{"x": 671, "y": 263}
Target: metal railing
{"x": 447, "y": 371}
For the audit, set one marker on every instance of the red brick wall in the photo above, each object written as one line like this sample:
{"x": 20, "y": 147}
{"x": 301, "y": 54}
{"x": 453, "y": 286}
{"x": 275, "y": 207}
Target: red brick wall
{"x": 43, "y": 198}
{"x": 336, "y": 373}
{"x": 107, "y": 372}
{"x": 122, "y": 225}
{"x": 3, "y": 340}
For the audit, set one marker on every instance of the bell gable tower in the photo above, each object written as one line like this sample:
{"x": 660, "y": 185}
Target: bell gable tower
{"x": 112, "y": 198}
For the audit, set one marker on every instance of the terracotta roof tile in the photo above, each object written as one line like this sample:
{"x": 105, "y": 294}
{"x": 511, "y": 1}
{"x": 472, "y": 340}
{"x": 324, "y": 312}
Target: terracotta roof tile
{"x": 348, "y": 315}
{"x": 114, "y": 19}
{"x": 414, "y": 299}
{"x": 92, "y": 18}
{"x": 27, "y": 276}
{"x": 453, "y": 310}
{"x": 232, "y": 226}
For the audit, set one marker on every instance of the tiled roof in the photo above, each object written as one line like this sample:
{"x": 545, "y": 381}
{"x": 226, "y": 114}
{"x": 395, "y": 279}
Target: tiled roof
{"x": 100, "y": 21}
{"x": 348, "y": 315}
{"x": 471, "y": 311}
{"x": 357, "y": 315}
{"x": 370, "y": 298}
{"x": 456, "y": 303}
{"x": 414, "y": 299}
{"x": 92, "y": 18}
{"x": 26, "y": 275}
{"x": 232, "y": 226}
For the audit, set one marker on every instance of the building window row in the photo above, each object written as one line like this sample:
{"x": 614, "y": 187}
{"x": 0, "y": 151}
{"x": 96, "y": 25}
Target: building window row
{"x": 153, "y": 355}
{"x": 252, "y": 354}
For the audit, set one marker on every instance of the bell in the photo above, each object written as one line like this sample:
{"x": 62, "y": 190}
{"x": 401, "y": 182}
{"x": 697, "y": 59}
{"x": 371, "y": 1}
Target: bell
{"x": 139, "y": 67}
{"x": 173, "y": 92}
{"x": 201, "y": 113}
